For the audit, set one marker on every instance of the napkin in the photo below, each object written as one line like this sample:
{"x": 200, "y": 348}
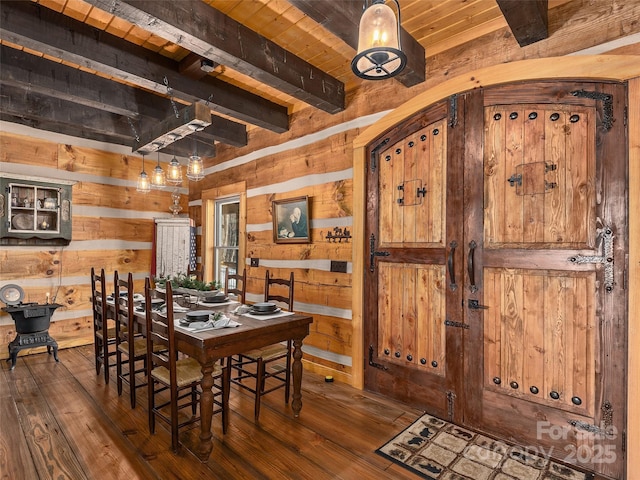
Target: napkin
{"x": 222, "y": 322}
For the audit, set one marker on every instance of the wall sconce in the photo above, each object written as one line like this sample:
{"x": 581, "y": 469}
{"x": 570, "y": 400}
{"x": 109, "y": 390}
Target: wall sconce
{"x": 158, "y": 179}
{"x": 380, "y": 55}
{"x": 143, "y": 185}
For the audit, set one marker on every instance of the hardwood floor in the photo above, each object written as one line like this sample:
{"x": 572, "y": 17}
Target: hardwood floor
{"x": 60, "y": 420}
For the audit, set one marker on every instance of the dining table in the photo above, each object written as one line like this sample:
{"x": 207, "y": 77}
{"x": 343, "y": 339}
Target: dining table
{"x": 208, "y": 346}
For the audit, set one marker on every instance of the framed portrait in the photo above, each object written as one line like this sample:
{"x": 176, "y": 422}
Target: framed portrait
{"x": 291, "y": 220}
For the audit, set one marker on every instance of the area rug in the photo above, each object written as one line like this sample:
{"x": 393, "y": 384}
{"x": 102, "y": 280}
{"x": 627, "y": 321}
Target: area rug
{"x": 438, "y": 450}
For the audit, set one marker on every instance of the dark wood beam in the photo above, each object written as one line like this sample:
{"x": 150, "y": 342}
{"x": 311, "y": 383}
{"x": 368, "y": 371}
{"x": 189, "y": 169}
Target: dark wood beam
{"x": 199, "y": 28}
{"x": 20, "y": 105}
{"x": 49, "y": 32}
{"x": 54, "y": 79}
{"x": 527, "y": 20}
{"x": 342, "y": 18}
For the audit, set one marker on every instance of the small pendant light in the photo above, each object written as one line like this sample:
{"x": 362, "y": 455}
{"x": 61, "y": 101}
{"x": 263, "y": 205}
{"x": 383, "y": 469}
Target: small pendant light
{"x": 380, "y": 55}
{"x": 195, "y": 169}
{"x": 158, "y": 179}
{"x": 143, "y": 185}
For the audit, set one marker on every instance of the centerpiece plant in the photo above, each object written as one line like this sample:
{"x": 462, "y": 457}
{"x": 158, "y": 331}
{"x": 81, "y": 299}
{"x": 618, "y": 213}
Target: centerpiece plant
{"x": 187, "y": 282}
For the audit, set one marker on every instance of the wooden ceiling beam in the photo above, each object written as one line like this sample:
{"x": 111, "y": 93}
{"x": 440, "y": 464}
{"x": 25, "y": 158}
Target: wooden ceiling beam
{"x": 47, "y": 77}
{"x": 201, "y": 29}
{"x": 40, "y": 111}
{"x": 528, "y": 20}
{"x": 342, "y": 18}
{"x": 54, "y": 34}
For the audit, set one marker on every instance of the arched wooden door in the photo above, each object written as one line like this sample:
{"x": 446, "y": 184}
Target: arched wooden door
{"x": 507, "y": 314}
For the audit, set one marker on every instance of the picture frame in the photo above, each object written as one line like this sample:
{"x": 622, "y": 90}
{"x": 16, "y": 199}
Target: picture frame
{"x": 291, "y": 220}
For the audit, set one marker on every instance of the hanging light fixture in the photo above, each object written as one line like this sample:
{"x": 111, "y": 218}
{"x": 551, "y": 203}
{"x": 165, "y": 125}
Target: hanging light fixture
{"x": 143, "y": 185}
{"x": 195, "y": 169}
{"x": 380, "y": 55}
{"x": 174, "y": 171}
{"x": 158, "y": 179}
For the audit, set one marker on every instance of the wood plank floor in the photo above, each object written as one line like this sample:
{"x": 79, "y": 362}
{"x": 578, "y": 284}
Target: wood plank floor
{"x": 60, "y": 421}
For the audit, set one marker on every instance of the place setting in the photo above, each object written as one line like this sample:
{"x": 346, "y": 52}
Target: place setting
{"x": 216, "y": 299}
{"x": 264, "y": 311}
{"x": 199, "y": 320}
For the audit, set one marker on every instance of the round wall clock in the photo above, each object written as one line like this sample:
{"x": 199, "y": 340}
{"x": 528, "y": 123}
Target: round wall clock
{"x": 11, "y": 294}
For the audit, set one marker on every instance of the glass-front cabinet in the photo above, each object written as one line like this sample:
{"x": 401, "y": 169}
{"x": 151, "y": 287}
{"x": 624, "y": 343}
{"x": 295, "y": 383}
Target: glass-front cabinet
{"x": 34, "y": 211}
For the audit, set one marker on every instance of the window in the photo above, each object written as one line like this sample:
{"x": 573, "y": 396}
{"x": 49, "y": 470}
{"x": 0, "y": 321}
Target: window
{"x": 227, "y": 227}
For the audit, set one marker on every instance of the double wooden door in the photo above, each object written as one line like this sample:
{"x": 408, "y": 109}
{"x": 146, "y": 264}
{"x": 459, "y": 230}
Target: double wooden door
{"x": 495, "y": 291}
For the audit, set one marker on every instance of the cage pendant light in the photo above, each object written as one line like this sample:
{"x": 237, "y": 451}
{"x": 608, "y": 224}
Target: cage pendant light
{"x": 158, "y": 179}
{"x": 174, "y": 172}
{"x": 380, "y": 54}
{"x": 143, "y": 185}
{"x": 195, "y": 168}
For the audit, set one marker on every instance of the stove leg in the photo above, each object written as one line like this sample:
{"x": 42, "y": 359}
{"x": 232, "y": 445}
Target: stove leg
{"x": 55, "y": 351}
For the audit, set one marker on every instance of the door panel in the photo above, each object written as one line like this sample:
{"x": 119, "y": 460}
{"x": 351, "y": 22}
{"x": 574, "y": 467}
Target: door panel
{"x": 411, "y": 351}
{"x": 495, "y": 295}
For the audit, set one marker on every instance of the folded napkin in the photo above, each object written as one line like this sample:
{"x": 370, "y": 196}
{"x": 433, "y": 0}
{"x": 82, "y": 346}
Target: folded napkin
{"x": 176, "y": 308}
{"x": 222, "y": 322}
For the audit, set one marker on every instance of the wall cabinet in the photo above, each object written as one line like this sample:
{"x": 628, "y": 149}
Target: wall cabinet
{"x": 34, "y": 211}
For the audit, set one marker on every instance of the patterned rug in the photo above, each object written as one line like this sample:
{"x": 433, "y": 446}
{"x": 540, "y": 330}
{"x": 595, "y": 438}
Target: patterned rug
{"x": 438, "y": 450}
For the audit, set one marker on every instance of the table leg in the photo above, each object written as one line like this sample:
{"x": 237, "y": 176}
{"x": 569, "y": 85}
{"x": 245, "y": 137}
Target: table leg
{"x": 206, "y": 413}
{"x": 296, "y": 370}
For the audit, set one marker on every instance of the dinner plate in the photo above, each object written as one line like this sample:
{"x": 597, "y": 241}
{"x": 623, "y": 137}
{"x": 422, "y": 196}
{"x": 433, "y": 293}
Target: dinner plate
{"x": 262, "y": 312}
{"x": 22, "y": 221}
{"x": 215, "y": 299}
{"x": 264, "y": 307}
{"x": 196, "y": 315}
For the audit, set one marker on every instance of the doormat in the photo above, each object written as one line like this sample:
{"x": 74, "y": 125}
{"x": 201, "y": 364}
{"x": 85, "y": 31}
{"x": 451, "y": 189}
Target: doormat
{"x": 439, "y": 450}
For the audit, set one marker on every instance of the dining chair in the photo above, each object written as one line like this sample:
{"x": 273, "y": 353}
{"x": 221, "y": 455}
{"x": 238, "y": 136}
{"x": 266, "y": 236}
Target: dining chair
{"x": 174, "y": 378}
{"x": 254, "y": 363}
{"x": 197, "y": 273}
{"x": 236, "y": 284}
{"x": 131, "y": 346}
{"x": 104, "y": 335}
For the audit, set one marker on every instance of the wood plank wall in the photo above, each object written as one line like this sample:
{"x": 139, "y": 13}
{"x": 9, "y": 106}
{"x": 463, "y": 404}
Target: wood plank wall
{"x": 112, "y": 228}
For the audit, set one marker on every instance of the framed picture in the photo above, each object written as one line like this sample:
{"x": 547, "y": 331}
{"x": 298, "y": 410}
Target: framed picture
{"x": 291, "y": 220}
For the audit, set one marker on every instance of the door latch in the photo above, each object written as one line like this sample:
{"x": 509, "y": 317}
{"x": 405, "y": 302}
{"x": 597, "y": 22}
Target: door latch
{"x": 475, "y": 305}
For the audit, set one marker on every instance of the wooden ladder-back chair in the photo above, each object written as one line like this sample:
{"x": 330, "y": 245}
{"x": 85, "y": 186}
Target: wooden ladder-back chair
{"x": 173, "y": 378}
{"x": 255, "y": 363}
{"x": 236, "y": 284}
{"x": 131, "y": 346}
{"x": 197, "y": 273}
{"x": 104, "y": 336}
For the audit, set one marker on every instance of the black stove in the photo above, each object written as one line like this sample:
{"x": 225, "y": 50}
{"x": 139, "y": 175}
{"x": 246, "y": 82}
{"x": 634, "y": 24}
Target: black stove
{"x": 32, "y": 326}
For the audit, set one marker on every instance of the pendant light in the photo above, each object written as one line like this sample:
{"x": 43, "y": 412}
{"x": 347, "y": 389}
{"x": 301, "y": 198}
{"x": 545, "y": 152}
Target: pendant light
{"x": 143, "y": 185}
{"x": 158, "y": 179}
{"x": 380, "y": 55}
{"x": 174, "y": 171}
{"x": 195, "y": 169}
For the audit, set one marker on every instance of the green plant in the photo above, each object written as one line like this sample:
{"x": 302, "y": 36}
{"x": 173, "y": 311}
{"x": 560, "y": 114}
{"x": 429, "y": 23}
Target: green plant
{"x": 182, "y": 280}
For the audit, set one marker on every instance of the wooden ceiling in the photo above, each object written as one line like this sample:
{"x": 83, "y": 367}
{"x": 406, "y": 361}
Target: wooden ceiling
{"x": 114, "y": 70}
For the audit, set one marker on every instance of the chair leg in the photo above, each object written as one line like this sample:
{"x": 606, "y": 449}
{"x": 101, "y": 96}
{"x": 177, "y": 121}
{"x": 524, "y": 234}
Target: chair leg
{"x": 151, "y": 404}
{"x": 287, "y": 377}
{"x": 259, "y": 387}
{"x": 226, "y": 386}
{"x": 105, "y": 360}
{"x": 132, "y": 381}
{"x": 97, "y": 346}
{"x": 119, "y": 371}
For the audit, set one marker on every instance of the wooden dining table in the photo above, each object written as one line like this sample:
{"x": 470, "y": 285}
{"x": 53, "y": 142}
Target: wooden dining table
{"x": 209, "y": 346}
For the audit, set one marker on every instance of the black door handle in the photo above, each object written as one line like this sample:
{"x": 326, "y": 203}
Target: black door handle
{"x": 470, "y": 267}
{"x": 450, "y": 264}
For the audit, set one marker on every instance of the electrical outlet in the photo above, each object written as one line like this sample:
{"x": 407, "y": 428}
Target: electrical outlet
{"x": 338, "y": 267}
{"x": 255, "y": 262}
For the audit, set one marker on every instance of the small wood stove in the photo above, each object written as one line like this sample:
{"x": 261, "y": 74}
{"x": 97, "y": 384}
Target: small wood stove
{"x": 32, "y": 326}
